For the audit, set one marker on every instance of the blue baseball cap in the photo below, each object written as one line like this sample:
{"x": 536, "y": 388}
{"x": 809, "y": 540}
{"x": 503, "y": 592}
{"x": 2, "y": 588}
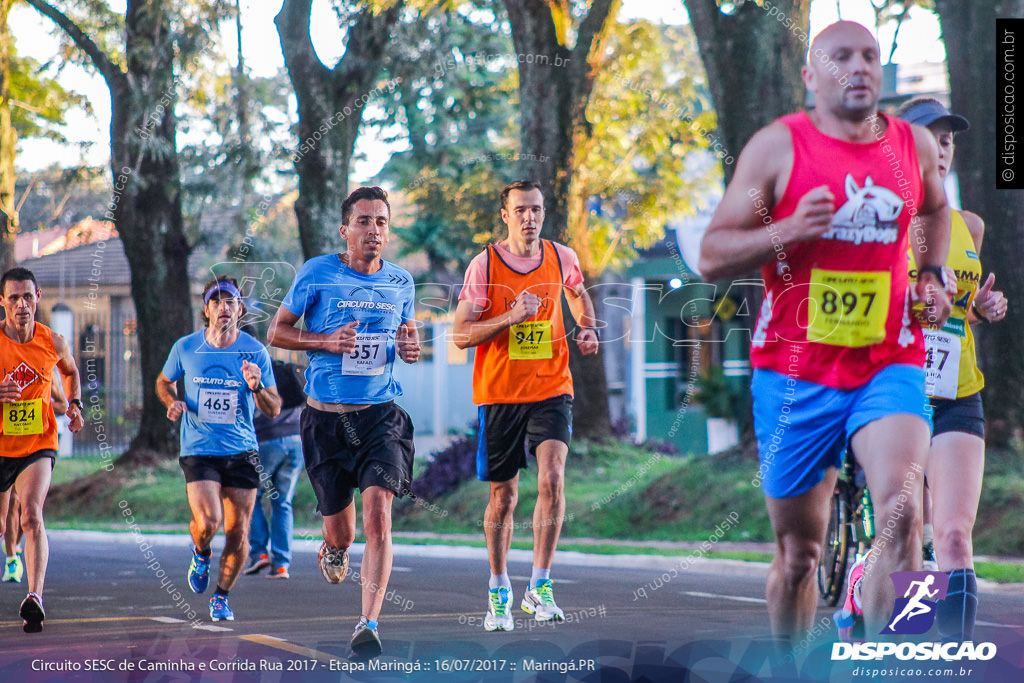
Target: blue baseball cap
{"x": 226, "y": 287}
{"x": 926, "y": 112}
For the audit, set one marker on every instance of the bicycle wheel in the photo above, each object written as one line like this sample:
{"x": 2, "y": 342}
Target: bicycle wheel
{"x": 835, "y": 552}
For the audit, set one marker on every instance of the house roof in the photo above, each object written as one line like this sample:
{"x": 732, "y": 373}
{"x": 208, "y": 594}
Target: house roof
{"x": 74, "y": 267}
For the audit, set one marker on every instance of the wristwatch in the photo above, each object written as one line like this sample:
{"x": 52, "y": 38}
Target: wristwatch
{"x": 937, "y": 271}
{"x": 259, "y": 388}
{"x": 77, "y": 402}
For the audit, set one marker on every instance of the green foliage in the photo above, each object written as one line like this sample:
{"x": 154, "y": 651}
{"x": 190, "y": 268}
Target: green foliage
{"x": 714, "y": 394}
{"x": 454, "y": 108}
{"x": 638, "y": 168}
{"x": 38, "y": 102}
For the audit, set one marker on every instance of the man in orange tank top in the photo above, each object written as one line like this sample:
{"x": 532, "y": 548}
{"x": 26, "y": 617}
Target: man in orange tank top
{"x": 831, "y": 368}
{"x": 29, "y": 351}
{"x": 510, "y": 309}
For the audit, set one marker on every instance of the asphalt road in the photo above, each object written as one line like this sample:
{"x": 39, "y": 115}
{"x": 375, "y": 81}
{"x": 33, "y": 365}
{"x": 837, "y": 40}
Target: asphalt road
{"x": 118, "y": 610}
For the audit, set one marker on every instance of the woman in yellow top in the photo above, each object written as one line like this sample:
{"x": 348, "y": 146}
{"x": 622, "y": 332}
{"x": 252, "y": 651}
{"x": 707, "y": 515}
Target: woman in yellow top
{"x": 956, "y": 460}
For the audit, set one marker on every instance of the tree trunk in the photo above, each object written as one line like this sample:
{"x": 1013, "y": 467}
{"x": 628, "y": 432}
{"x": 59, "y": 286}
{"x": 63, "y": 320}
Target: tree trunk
{"x": 753, "y": 66}
{"x": 8, "y": 141}
{"x": 555, "y": 84}
{"x": 146, "y": 197}
{"x": 330, "y": 104}
{"x": 971, "y": 49}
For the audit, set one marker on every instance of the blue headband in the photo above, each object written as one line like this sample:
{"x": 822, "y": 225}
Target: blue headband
{"x": 222, "y": 287}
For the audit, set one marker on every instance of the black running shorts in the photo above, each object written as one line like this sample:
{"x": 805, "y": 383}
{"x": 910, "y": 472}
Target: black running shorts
{"x": 10, "y": 468}
{"x": 239, "y": 471}
{"x": 363, "y": 448}
{"x": 964, "y": 415}
{"x": 509, "y": 430}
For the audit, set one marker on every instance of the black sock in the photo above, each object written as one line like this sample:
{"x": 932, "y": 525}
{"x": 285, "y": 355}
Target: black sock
{"x": 205, "y": 554}
{"x": 220, "y": 591}
{"x": 956, "y": 614}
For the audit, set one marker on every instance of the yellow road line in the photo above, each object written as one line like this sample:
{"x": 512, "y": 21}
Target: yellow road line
{"x": 279, "y": 644}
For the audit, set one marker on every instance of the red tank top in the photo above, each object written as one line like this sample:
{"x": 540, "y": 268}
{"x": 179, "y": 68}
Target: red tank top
{"x": 28, "y": 425}
{"x": 528, "y": 362}
{"x": 843, "y": 299}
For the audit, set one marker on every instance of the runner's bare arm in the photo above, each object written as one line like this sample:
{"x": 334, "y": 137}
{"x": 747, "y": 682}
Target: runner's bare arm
{"x": 57, "y": 397}
{"x": 740, "y": 238}
{"x": 975, "y": 226}
{"x": 929, "y": 231}
{"x": 72, "y": 382}
{"x": 468, "y": 330}
{"x": 267, "y": 399}
{"x": 167, "y": 392}
{"x": 284, "y": 334}
{"x": 582, "y": 308}
{"x": 407, "y": 342}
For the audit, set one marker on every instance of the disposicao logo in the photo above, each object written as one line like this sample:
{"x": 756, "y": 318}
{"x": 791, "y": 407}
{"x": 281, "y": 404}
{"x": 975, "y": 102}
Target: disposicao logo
{"x": 914, "y": 613}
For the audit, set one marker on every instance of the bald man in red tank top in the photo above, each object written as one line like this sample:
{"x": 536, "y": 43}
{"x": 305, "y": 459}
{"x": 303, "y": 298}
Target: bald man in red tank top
{"x": 826, "y": 202}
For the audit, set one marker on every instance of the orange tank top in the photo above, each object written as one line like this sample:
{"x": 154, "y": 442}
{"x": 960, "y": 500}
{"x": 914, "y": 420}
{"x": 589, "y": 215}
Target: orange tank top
{"x": 527, "y": 362}
{"x": 28, "y": 425}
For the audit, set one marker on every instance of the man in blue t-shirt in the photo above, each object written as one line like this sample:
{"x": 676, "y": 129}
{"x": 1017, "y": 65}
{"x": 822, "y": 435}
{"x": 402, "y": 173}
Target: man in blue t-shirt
{"x": 358, "y": 312}
{"x": 224, "y": 371}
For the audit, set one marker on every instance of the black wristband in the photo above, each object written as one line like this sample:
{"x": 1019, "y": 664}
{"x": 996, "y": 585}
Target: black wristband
{"x": 977, "y": 313}
{"x": 937, "y": 271}
{"x": 259, "y": 388}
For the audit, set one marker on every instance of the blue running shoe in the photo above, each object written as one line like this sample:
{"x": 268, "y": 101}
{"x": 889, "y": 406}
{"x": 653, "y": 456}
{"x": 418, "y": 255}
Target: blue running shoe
{"x": 219, "y": 608}
{"x": 198, "y": 572}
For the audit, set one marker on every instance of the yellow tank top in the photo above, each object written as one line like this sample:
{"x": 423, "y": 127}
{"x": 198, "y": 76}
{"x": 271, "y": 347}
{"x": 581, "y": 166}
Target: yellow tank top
{"x": 963, "y": 259}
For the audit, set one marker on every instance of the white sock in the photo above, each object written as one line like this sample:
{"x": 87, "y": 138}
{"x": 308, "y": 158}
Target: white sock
{"x": 539, "y": 574}
{"x": 499, "y": 580}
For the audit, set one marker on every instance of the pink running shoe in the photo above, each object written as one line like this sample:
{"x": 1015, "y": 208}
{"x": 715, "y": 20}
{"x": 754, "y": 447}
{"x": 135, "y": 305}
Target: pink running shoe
{"x": 851, "y": 615}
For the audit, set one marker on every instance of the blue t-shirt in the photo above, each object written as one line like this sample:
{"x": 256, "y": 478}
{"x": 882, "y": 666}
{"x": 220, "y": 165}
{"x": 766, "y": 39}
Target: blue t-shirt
{"x": 329, "y": 294}
{"x": 220, "y": 403}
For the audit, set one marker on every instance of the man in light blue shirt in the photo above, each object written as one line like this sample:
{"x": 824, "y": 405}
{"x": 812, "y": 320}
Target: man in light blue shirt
{"x": 224, "y": 371}
{"x": 358, "y": 311}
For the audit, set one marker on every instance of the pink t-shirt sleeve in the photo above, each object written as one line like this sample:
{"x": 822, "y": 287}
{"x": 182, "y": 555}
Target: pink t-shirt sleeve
{"x": 475, "y": 286}
{"x": 571, "y": 273}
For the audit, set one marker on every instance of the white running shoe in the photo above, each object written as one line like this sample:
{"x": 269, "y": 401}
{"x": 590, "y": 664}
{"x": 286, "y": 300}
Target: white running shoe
{"x": 540, "y": 602}
{"x": 333, "y": 563}
{"x": 499, "y": 602}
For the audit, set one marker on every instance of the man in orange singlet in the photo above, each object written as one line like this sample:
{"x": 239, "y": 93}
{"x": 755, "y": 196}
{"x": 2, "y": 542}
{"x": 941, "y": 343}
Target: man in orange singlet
{"x": 826, "y": 202}
{"x": 510, "y": 308}
{"x": 29, "y": 351}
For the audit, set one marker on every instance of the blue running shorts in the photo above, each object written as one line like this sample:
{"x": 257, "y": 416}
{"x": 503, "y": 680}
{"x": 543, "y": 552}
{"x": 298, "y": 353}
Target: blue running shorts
{"x": 803, "y": 428}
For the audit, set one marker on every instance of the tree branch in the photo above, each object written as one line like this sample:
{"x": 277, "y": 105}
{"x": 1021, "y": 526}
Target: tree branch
{"x": 593, "y": 24}
{"x": 111, "y": 73}
{"x": 366, "y": 41}
{"x": 296, "y": 44}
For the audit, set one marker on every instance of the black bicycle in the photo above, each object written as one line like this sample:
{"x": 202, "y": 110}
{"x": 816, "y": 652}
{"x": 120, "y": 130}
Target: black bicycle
{"x": 851, "y": 524}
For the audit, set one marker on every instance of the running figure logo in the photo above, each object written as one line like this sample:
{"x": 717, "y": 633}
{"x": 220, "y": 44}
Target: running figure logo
{"x": 914, "y": 613}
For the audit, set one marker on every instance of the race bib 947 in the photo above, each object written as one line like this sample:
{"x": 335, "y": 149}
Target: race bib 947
{"x": 530, "y": 340}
